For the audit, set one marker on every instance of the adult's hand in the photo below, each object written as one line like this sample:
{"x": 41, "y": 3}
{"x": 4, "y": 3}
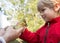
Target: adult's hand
{"x": 12, "y": 34}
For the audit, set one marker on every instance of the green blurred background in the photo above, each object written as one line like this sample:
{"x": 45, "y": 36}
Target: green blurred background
{"x": 23, "y": 11}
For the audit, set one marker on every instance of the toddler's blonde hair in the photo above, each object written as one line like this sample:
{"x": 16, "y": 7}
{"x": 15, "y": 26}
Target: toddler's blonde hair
{"x": 46, "y": 3}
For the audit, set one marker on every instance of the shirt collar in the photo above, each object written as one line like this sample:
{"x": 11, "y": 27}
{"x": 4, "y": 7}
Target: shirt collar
{"x": 54, "y": 20}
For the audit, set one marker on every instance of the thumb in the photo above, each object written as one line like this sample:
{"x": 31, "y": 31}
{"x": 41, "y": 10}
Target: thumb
{"x": 20, "y": 30}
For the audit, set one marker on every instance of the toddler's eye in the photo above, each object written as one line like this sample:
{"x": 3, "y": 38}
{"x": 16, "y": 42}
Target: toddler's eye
{"x": 43, "y": 10}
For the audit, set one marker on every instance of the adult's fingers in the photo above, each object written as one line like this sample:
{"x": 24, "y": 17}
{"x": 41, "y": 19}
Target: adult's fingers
{"x": 20, "y": 30}
{"x": 5, "y": 28}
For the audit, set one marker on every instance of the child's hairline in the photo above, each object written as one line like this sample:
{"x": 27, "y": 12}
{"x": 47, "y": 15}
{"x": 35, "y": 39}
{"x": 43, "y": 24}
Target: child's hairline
{"x": 40, "y": 4}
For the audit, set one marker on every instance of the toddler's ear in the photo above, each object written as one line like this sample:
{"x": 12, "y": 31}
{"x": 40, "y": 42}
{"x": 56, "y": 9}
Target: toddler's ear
{"x": 57, "y": 7}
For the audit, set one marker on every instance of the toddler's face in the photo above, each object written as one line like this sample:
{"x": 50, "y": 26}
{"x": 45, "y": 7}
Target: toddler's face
{"x": 47, "y": 13}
